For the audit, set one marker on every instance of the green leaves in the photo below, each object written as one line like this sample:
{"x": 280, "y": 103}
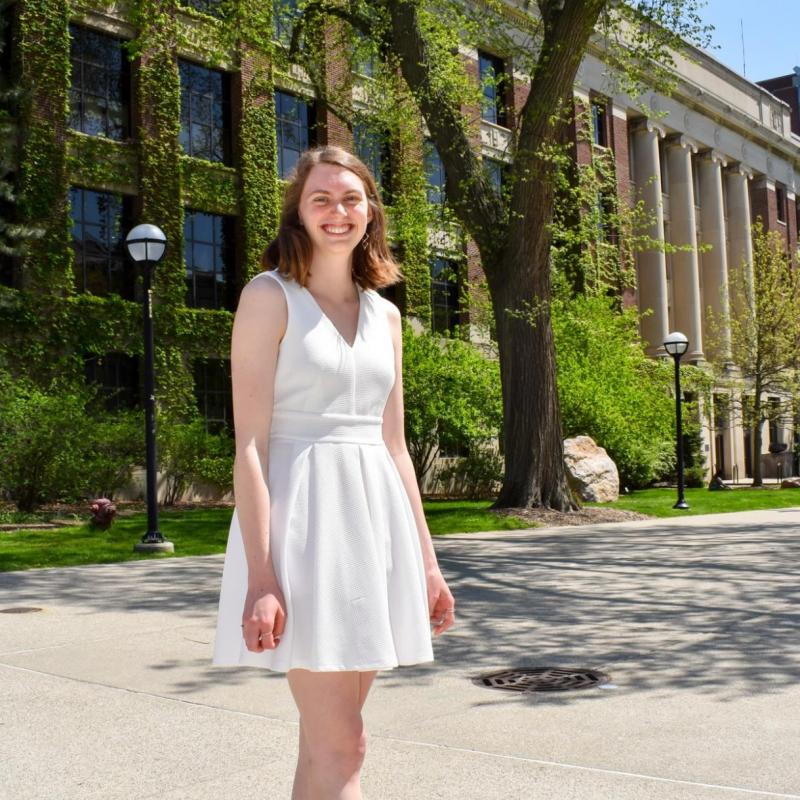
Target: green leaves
{"x": 610, "y": 390}
{"x": 451, "y": 390}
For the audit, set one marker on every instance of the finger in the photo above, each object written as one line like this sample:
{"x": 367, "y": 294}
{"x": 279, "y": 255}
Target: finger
{"x": 280, "y": 623}
{"x": 442, "y": 622}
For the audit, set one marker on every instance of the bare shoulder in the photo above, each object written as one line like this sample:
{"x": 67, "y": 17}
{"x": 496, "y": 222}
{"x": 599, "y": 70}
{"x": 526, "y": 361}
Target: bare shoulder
{"x": 262, "y": 307}
{"x": 391, "y": 310}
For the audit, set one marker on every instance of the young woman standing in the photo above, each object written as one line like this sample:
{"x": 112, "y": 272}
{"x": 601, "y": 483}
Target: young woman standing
{"x": 330, "y": 574}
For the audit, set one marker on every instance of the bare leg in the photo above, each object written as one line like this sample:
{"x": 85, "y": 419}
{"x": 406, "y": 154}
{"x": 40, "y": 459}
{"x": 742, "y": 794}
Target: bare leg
{"x": 302, "y": 788}
{"x": 332, "y": 735}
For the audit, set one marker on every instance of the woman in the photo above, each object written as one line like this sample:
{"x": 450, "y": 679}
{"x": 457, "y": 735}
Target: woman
{"x": 330, "y": 574}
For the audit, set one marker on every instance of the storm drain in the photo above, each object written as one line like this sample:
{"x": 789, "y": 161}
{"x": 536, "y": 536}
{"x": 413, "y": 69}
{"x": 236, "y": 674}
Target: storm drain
{"x": 542, "y": 679}
{"x": 19, "y": 610}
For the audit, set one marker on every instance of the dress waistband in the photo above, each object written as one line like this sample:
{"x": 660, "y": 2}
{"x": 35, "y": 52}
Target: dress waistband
{"x": 309, "y": 426}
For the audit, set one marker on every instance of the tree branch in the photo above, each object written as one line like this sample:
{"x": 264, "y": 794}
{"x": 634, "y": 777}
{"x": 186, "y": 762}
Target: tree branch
{"x": 467, "y": 185}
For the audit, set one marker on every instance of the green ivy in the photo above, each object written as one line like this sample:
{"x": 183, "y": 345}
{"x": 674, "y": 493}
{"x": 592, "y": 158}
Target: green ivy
{"x": 47, "y": 325}
{"x": 101, "y": 162}
{"x": 208, "y": 186}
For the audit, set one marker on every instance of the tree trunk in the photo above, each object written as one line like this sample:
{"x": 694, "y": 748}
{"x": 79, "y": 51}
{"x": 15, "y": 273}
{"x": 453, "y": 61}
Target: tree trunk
{"x": 757, "y": 437}
{"x": 514, "y": 247}
{"x": 534, "y": 453}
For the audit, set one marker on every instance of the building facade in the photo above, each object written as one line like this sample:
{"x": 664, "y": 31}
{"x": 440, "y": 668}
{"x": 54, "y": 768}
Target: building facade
{"x": 152, "y": 111}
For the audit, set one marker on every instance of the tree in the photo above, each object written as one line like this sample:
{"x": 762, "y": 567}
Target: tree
{"x": 764, "y": 325}
{"x": 512, "y": 230}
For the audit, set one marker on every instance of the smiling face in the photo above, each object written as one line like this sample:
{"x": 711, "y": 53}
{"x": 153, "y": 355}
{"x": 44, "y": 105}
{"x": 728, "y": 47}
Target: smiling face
{"x": 334, "y": 209}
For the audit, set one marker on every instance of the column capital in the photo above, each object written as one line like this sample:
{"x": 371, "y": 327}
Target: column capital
{"x": 714, "y": 156}
{"x": 739, "y": 169}
{"x": 647, "y": 125}
{"x": 683, "y": 141}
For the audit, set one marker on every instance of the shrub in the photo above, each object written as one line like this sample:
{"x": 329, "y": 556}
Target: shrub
{"x": 116, "y": 444}
{"x": 611, "y": 390}
{"x": 451, "y": 392}
{"x": 188, "y": 453}
{"x": 43, "y": 444}
{"x": 58, "y": 445}
{"x": 476, "y": 476}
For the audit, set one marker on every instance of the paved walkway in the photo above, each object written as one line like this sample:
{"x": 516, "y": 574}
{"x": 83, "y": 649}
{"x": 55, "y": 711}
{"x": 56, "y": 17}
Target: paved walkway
{"x": 108, "y": 692}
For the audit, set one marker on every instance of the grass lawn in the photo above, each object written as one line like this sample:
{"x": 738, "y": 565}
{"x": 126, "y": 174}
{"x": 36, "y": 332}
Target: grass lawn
{"x": 198, "y": 532}
{"x": 659, "y": 502}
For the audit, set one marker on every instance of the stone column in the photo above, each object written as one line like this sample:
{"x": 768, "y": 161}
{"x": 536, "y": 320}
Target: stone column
{"x": 715, "y": 260}
{"x": 740, "y": 257}
{"x": 740, "y": 241}
{"x": 683, "y": 233}
{"x": 651, "y": 264}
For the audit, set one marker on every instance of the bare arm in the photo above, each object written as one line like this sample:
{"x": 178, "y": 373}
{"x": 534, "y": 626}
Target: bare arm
{"x": 439, "y": 597}
{"x": 258, "y": 327}
{"x": 395, "y": 438}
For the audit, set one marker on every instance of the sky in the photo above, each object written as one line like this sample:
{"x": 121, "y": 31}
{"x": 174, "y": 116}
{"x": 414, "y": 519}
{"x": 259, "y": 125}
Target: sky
{"x": 771, "y": 35}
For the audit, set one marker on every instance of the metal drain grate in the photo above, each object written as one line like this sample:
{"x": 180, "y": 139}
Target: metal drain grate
{"x": 542, "y": 679}
{"x": 19, "y": 610}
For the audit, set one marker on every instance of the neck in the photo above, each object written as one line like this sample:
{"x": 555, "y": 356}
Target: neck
{"x": 331, "y": 276}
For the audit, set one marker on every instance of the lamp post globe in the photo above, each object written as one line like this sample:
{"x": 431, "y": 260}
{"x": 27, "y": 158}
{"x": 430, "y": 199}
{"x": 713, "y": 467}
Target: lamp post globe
{"x": 676, "y": 344}
{"x": 146, "y": 245}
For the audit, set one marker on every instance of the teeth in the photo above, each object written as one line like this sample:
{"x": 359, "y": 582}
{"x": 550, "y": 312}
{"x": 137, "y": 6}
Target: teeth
{"x": 337, "y": 228}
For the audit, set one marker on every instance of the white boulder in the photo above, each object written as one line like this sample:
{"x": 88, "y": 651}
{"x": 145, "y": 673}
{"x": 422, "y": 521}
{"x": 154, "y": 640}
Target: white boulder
{"x": 592, "y": 475}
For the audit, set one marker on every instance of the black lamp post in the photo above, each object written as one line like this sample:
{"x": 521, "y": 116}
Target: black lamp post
{"x": 676, "y": 344}
{"x": 146, "y": 245}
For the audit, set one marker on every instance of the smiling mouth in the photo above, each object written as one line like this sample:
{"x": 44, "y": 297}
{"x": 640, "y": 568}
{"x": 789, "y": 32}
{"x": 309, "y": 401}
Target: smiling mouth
{"x": 337, "y": 229}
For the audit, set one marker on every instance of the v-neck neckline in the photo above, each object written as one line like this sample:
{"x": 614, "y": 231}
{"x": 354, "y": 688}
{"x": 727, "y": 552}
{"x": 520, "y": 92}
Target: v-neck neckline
{"x": 330, "y": 321}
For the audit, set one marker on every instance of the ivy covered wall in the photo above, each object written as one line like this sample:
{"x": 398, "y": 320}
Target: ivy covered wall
{"x": 47, "y": 325}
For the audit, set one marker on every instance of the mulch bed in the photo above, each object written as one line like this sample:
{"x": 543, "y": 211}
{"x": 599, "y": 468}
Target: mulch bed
{"x": 585, "y": 516}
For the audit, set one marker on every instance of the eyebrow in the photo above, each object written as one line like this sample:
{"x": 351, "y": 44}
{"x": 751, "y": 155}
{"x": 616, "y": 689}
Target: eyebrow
{"x": 325, "y": 191}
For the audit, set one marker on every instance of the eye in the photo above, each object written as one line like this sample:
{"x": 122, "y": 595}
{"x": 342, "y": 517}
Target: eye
{"x": 319, "y": 199}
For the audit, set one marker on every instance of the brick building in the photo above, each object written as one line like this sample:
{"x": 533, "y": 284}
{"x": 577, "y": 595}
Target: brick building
{"x": 717, "y": 153}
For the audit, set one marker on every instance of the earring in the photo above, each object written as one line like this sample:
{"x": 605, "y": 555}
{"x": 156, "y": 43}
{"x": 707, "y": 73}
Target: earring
{"x": 365, "y": 241}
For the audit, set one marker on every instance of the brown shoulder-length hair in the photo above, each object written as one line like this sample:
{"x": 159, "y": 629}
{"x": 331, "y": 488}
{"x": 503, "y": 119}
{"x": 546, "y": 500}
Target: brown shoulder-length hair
{"x": 291, "y": 250}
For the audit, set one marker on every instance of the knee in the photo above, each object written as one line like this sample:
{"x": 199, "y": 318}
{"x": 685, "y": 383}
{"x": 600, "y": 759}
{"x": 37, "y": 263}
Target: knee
{"x": 344, "y": 752}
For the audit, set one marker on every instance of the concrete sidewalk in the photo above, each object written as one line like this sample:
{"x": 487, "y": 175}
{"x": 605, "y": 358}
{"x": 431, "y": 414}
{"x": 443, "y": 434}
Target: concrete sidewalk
{"x": 109, "y": 693}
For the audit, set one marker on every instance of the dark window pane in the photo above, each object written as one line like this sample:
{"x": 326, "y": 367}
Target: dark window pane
{"x": 98, "y": 222}
{"x": 292, "y": 130}
{"x": 98, "y": 95}
{"x": 599, "y": 123}
{"x": 372, "y": 148}
{"x": 495, "y": 170}
{"x": 212, "y": 384}
{"x": 205, "y": 113}
{"x": 434, "y": 171}
{"x": 117, "y": 376}
{"x": 491, "y": 71}
{"x": 208, "y": 252}
{"x": 444, "y": 295}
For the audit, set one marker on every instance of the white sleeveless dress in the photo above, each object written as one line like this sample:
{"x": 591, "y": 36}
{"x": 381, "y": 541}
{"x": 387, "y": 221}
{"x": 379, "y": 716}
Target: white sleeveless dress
{"x": 343, "y": 538}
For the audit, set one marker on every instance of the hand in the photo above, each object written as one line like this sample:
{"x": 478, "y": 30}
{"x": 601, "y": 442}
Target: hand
{"x": 440, "y": 602}
{"x": 263, "y": 617}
